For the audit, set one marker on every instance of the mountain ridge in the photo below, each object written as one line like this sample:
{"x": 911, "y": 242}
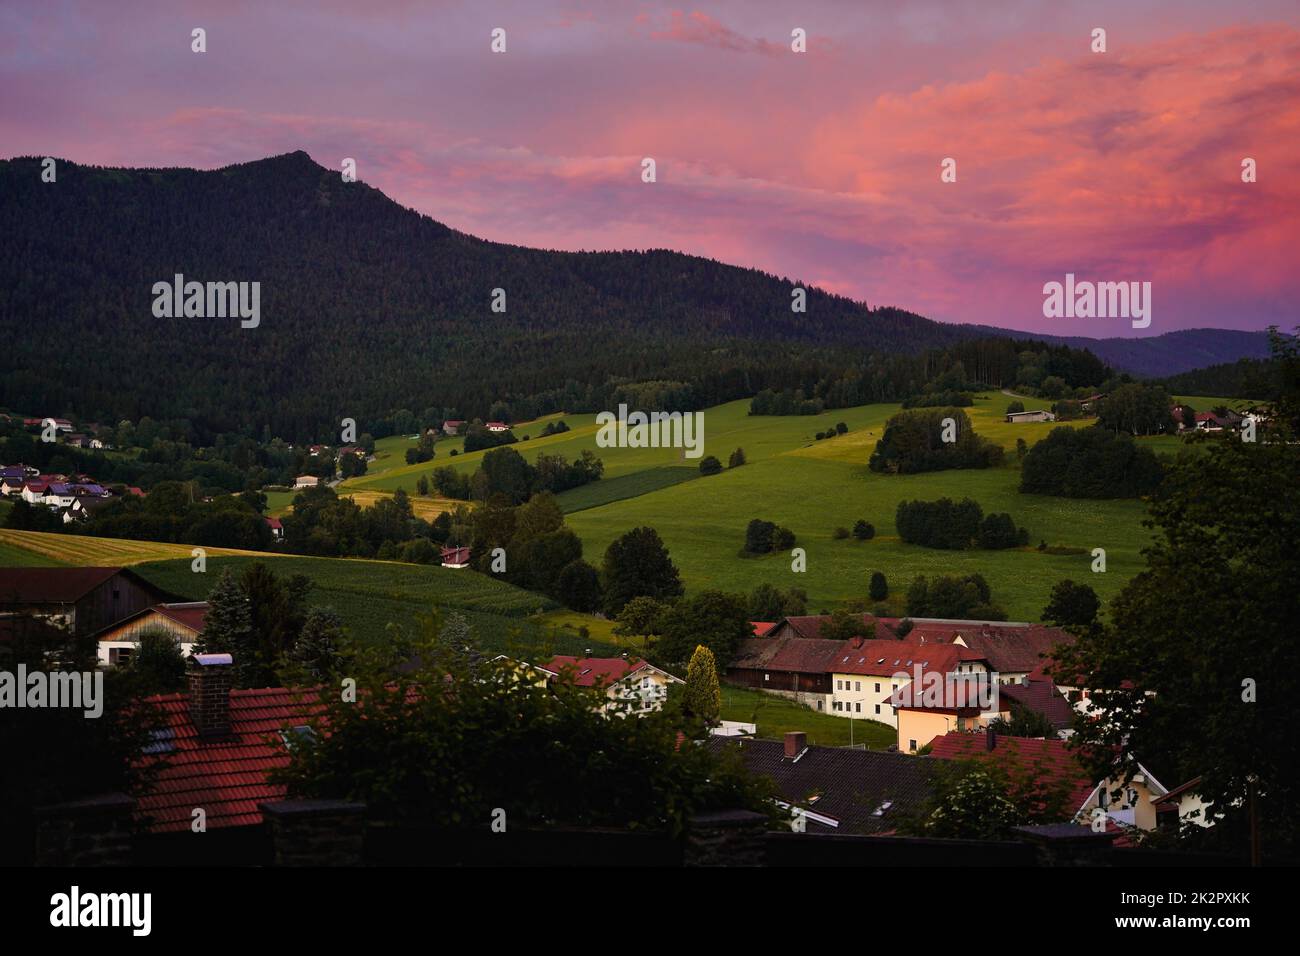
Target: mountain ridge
{"x": 369, "y": 306}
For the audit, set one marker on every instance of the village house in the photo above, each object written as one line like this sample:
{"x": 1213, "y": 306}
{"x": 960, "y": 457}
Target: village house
{"x": 455, "y": 557}
{"x": 797, "y": 668}
{"x": 306, "y": 481}
{"x": 865, "y": 670}
{"x": 80, "y": 600}
{"x": 277, "y": 528}
{"x": 118, "y": 642}
{"x": 452, "y": 426}
{"x": 498, "y": 427}
{"x": 631, "y": 686}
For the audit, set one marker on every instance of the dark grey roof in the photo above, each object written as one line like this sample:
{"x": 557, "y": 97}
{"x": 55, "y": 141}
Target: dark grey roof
{"x": 850, "y": 785}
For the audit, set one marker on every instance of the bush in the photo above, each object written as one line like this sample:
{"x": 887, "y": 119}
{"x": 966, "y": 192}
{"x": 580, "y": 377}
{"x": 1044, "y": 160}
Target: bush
{"x": 863, "y": 530}
{"x": 737, "y": 458}
{"x": 710, "y": 465}
{"x": 840, "y": 533}
{"x": 879, "y": 589}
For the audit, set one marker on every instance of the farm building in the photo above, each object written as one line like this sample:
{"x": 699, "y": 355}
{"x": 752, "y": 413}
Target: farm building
{"x": 118, "y": 641}
{"x": 81, "y": 600}
{"x": 1038, "y": 415}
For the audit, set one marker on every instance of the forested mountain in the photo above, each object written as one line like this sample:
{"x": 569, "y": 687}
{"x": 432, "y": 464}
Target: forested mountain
{"x": 368, "y": 307}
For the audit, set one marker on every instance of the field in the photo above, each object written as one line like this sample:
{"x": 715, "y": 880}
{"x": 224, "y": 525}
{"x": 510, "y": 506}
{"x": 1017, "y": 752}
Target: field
{"x": 368, "y": 595}
{"x": 807, "y": 485}
{"x": 777, "y": 715}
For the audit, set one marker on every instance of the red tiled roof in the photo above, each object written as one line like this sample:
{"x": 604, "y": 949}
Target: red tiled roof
{"x": 593, "y": 671}
{"x": 800, "y": 655}
{"x": 762, "y": 627}
{"x": 227, "y": 777}
{"x": 1052, "y": 756}
{"x": 885, "y": 657}
{"x": 1042, "y": 697}
{"x": 455, "y": 555}
{"x": 274, "y": 524}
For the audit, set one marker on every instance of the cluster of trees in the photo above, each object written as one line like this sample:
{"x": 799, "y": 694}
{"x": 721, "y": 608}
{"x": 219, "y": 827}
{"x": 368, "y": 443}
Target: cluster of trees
{"x": 768, "y": 402}
{"x": 764, "y": 537}
{"x": 555, "y": 428}
{"x": 1137, "y": 410}
{"x": 949, "y": 398}
{"x": 322, "y": 523}
{"x": 539, "y": 553}
{"x": 503, "y": 471}
{"x": 171, "y": 512}
{"x": 914, "y": 442}
{"x": 956, "y": 525}
{"x": 1089, "y": 463}
{"x": 770, "y": 603}
{"x": 839, "y": 429}
{"x": 967, "y": 597}
{"x": 478, "y": 436}
{"x": 264, "y": 622}
{"x": 673, "y": 626}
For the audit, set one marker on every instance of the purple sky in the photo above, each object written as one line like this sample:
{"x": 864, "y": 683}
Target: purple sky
{"x": 822, "y": 166}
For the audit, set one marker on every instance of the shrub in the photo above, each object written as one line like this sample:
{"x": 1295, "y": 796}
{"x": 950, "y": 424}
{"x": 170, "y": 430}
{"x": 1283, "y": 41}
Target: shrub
{"x": 710, "y": 465}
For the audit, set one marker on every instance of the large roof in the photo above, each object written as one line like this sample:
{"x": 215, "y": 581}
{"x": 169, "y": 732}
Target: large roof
{"x": 227, "y": 777}
{"x": 797, "y": 654}
{"x": 852, "y": 787}
{"x": 1050, "y": 759}
{"x": 592, "y": 671}
{"x": 55, "y": 585}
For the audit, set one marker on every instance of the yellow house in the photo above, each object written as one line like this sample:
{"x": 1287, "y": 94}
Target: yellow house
{"x": 866, "y": 674}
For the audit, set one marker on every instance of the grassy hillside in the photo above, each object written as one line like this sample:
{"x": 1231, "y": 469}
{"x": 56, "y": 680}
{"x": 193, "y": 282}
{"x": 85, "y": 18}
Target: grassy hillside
{"x": 367, "y": 594}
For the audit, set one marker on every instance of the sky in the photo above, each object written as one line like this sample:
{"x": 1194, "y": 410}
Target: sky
{"x": 822, "y": 166}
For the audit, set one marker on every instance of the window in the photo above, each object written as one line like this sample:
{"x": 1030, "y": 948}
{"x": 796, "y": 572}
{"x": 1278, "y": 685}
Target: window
{"x": 767, "y": 677}
{"x": 877, "y": 708}
{"x": 877, "y": 687}
{"x": 857, "y": 685}
{"x": 119, "y": 655}
{"x": 858, "y": 707}
{"x": 911, "y": 745}
{"x": 819, "y": 705}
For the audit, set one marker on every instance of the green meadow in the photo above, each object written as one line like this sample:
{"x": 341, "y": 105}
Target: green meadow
{"x": 814, "y": 486}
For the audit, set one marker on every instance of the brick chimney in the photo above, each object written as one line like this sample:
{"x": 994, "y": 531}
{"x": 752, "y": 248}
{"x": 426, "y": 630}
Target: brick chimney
{"x": 210, "y": 678}
{"x": 796, "y": 742}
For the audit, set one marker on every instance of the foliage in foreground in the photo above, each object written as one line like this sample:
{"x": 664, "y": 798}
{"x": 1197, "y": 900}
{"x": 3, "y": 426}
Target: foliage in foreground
{"x": 448, "y": 742}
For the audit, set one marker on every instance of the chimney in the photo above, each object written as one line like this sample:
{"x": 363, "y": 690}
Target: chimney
{"x": 210, "y": 678}
{"x": 990, "y": 738}
{"x": 796, "y": 742}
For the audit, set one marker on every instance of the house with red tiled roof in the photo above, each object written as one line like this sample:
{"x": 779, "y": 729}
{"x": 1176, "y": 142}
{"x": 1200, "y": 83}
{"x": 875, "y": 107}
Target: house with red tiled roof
{"x": 277, "y": 528}
{"x": 184, "y": 620}
{"x": 216, "y": 748}
{"x": 631, "y": 685}
{"x": 498, "y": 427}
{"x": 456, "y": 557}
{"x": 866, "y": 673}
